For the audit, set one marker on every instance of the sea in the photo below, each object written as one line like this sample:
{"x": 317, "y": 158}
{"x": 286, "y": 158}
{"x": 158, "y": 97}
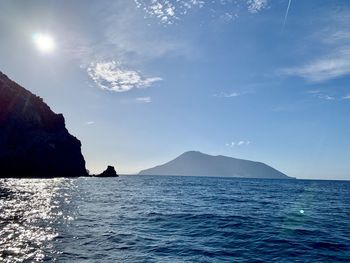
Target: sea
{"x": 174, "y": 219}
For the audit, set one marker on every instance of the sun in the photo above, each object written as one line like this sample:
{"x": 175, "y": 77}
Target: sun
{"x": 45, "y": 43}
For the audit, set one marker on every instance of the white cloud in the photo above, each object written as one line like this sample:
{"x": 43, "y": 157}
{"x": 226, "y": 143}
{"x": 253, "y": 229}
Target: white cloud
{"x": 333, "y": 66}
{"x": 326, "y": 97}
{"x": 238, "y": 143}
{"x": 111, "y": 76}
{"x": 134, "y": 45}
{"x": 144, "y": 99}
{"x": 320, "y": 94}
{"x": 255, "y": 6}
{"x": 90, "y": 122}
{"x": 167, "y": 12}
{"x": 347, "y": 97}
{"x": 226, "y": 95}
{"x": 333, "y": 38}
{"x": 142, "y": 41}
{"x": 313, "y": 91}
{"x": 227, "y": 17}
{"x": 139, "y": 40}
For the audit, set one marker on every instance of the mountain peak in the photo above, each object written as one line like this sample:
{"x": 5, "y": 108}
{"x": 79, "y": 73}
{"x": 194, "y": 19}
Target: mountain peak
{"x": 193, "y": 153}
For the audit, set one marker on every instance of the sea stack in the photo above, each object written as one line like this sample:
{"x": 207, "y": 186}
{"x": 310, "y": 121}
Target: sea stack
{"x": 34, "y": 141}
{"x": 109, "y": 172}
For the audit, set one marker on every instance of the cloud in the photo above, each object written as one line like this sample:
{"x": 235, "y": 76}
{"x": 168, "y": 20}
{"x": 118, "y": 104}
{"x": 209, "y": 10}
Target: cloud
{"x": 111, "y": 76}
{"x": 226, "y": 95}
{"x": 227, "y": 17}
{"x": 333, "y": 39}
{"x": 144, "y": 100}
{"x": 326, "y": 97}
{"x": 333, "y": 66}
{"x": 168, "y": 12}
{"x": 142, "y": 41}
{"x": 255, "y": 6}
{"x": 238, "y": 143}
{"x": 320, "y": 95}
{"x": 313, "y": 91}
{"x": 134, "y": 45}
{"x": 90, "y": 122}
{"x": 347, "y": 97}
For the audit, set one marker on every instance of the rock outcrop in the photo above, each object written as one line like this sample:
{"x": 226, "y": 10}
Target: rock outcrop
{"x": 34, "y": 141}
{"x": 109, "y": 172}
{"x": 194, "y": 163}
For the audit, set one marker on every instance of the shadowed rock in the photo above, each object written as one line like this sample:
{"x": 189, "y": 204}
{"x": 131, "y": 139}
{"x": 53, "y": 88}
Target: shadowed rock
{"x": 109, "y": 172}
{"x": 34, "y": 141}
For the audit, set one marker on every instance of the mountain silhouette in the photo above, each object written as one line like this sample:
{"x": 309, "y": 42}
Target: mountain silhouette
{"x": 194, "y": 163}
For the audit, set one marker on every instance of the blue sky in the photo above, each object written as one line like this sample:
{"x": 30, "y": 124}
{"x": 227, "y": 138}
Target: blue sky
{"x": 140, "y": 82}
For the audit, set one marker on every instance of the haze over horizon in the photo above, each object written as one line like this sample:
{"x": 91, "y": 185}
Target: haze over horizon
{"x": 140, "y": 82}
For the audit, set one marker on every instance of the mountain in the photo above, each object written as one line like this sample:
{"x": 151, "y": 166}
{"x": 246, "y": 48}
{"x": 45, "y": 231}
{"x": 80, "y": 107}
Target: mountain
{"x": 200, "y": 164}
{"x": 34, "y": 141}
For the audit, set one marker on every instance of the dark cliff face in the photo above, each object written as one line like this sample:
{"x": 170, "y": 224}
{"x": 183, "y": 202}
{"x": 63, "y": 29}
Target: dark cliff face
{"x": 34, "y": 141}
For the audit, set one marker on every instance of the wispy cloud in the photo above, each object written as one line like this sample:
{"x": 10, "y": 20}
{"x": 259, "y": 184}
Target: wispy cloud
{"x": 227, "y": 17}
{"x": 226, "y": 95}
{"x": 133, "y": 45}
{"x": 167, "y": 12}
{"x": 144, "y": 100}
{"x": 112, "y": 76}
{"x": 347, "y": 97}
{"x": 325, "y": 97}
{"x": 323, "y": 69}
{"x": 320, "y": 94}
{"x": 333, "y": 38}
{"x": 89, "y": 122}
{"x": 142, "y": 41}
{"x": 315, "y": 91}
{"x": 238, "y": 143}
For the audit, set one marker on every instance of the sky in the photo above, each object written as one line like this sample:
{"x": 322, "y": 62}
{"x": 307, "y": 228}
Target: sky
{"x": 142, "y": 81}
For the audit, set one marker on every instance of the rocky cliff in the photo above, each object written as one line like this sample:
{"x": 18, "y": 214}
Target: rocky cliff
{"x": 34, "y": 141}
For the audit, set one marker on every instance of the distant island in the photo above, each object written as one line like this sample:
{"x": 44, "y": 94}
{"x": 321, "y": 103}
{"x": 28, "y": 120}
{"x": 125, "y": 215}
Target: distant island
{"x": 34, "y": 141}
{"x": 194, "y": 163}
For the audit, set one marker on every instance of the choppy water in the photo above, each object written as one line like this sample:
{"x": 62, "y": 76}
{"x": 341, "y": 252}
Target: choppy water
{"x": 174, "y": 219}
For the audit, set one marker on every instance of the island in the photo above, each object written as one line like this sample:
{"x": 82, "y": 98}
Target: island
{"x": 194, "y": 163}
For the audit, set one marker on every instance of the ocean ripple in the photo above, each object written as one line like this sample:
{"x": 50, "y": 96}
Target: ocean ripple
{"x": 174, "y": 219}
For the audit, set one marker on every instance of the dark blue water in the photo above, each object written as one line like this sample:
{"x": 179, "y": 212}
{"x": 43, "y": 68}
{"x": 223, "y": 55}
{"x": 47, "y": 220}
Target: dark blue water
{"x": 174, "y": 219}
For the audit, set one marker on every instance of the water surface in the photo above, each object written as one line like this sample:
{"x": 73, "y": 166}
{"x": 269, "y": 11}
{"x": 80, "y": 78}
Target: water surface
{"x": 174, "y": 219}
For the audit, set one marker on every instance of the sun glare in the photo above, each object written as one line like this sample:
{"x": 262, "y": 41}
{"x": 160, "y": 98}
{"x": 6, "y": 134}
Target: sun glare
{"x": 45, "y": 43}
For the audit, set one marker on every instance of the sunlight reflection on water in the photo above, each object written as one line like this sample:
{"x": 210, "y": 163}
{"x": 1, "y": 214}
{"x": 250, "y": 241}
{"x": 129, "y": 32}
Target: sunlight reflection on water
{"x": 30, "y": 211}
{"x": 173, "y": 219}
